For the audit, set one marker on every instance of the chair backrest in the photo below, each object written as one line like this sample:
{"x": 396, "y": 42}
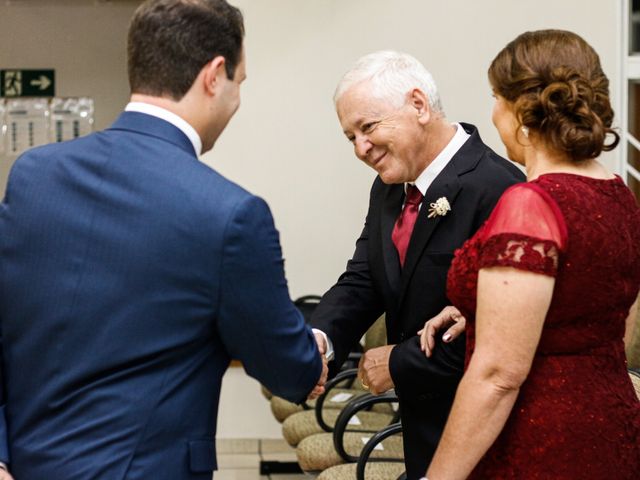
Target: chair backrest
{"x": 635, "y": 379}
{"x": 376, "y": 336}
{"x": 633, "y": 349}
{"x": 307, "y": 304}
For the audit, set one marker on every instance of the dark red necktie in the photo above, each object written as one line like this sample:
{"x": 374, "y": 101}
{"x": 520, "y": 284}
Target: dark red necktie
{"x": 406, "y": 220}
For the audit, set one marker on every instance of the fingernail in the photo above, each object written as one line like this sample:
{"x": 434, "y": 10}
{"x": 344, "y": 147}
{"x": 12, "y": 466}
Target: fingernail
{"x": 446, "y": 337}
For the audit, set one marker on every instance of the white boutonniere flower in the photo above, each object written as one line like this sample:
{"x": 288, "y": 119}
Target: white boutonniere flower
{"x": 439, "y": 207}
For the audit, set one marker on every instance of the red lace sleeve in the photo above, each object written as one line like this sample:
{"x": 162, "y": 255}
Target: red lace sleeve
{"x": 526, "y": 231}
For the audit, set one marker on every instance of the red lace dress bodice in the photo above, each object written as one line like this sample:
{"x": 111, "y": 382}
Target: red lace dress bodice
{"x": 577, "y": 415}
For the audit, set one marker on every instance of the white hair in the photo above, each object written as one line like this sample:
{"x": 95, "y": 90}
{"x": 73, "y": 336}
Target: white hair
{"x": 392, "y": 75}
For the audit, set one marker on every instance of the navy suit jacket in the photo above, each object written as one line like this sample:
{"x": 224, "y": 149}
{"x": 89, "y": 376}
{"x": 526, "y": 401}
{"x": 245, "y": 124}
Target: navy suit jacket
{"x": 374, "y": 283}
{"x": 130, "y": 274}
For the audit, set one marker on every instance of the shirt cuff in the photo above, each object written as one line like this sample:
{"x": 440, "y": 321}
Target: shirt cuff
{"x": 329, "y": 354}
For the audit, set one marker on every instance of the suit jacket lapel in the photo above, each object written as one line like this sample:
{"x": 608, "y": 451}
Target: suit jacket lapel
{"x": 390, "y": 210}
{"x": 447, "y": 185}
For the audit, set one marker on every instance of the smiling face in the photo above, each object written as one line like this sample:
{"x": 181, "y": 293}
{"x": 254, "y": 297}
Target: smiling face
{"x": 389, "y": 139}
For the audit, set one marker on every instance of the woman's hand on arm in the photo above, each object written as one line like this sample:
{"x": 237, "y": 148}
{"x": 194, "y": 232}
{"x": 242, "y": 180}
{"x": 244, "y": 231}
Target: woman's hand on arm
{"x": 511, "y": 308}
{"x": 449, "y": 318}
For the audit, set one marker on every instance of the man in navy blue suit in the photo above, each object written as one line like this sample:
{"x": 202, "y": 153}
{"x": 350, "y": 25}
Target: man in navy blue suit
{"x": 131, "y": 273}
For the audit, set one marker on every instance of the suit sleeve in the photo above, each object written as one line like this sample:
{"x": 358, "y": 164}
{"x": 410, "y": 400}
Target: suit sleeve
{"x": 257, "y": 321}
{"x": 352, "y": 305}
{"x": 4, "y": 436}
{"x": 414, "y": 374}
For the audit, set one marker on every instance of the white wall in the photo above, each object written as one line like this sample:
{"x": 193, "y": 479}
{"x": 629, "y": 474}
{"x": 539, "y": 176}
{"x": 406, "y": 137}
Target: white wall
{"x": 285, "y": 143}
{"x": 83, "y": 40}
{"x": 243, "y": 411}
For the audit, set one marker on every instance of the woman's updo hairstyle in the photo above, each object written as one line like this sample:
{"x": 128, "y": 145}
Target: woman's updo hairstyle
{"x": 555, "y": 82}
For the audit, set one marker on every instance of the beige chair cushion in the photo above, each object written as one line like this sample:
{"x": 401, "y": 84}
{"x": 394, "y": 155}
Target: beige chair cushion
{"x": 316, "y": 452}
{"x": 635, "y": 379}
{"x": 282, "y": 408}
{"x": 376, "y": 336}
{"x": 633, "y": 349}
{"x": 265, "y": 392}
{"x": 372, "y": 471}
{"x": 302, "y": 424}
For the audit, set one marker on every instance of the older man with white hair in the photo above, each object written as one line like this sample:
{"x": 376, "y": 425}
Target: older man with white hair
{"x": 437, "y": 183}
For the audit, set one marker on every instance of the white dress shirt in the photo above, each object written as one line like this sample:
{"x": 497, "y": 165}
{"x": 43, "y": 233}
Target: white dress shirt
{"x": 170, "y": 117}
{"x": 426, "y": 178}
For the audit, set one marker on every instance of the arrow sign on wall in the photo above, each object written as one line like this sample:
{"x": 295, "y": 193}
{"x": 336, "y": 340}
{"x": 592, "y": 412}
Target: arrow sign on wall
{"x": 42, "y": 82}
{"x": 27, "y": 83}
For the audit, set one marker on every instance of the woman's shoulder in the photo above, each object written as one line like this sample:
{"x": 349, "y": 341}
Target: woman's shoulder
{"x": 528, "y": 209}
{"x": 531, "y": 192}
{"x": 567, "y": 180}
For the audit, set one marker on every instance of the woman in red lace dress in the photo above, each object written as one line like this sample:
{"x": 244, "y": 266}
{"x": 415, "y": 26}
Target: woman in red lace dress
{"x": 547, "y": 284}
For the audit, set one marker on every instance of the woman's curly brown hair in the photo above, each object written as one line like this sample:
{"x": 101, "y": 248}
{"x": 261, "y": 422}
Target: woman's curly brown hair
{"x": 555, "y": 82}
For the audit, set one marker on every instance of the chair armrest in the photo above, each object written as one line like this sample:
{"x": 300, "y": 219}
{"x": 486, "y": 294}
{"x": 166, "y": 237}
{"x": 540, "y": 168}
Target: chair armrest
{"x": 392, "y": 429}
{"x": 330, "y": 385}
{"x": 352, "y": 361}
{"x": 357, "y": 404}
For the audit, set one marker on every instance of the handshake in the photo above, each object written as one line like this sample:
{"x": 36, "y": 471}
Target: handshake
{"x": 373, "y": 370}
{"x": 318, "y": 390}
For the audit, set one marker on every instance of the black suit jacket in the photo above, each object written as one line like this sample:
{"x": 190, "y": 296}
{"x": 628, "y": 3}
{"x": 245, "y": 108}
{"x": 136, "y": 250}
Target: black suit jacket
{"x": 374, "y": 283}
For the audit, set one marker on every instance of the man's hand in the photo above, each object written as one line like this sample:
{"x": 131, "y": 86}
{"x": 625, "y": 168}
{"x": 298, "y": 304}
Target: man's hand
{"x": 373, "y": 370}
{"x": 4, "y": 473}
{"x": 319, "y": 388}
{"x": 449, "y": 317}
{"x": 322, "y": 343}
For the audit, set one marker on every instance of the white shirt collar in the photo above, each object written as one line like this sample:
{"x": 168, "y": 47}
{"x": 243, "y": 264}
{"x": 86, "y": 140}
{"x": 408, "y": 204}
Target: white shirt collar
{"x": 426, "y": 178}
{"x": 170, "y": 117}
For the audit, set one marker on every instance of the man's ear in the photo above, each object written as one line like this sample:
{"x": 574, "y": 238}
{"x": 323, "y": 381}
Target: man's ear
{"x": 212, "y": 74}
{"x": 420, "y": 102}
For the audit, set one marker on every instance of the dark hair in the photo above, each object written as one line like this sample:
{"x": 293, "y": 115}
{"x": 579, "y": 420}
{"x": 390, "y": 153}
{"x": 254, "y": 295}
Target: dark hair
{"x": 555, "y": 82}
{"x": 171, "y": 40}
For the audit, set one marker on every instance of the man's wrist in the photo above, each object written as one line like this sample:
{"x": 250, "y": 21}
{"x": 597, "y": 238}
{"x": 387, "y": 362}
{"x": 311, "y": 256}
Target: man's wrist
{"x": 329, "y": 354}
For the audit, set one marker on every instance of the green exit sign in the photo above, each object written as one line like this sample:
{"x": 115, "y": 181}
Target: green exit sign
{"x": 27, "y": 83}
